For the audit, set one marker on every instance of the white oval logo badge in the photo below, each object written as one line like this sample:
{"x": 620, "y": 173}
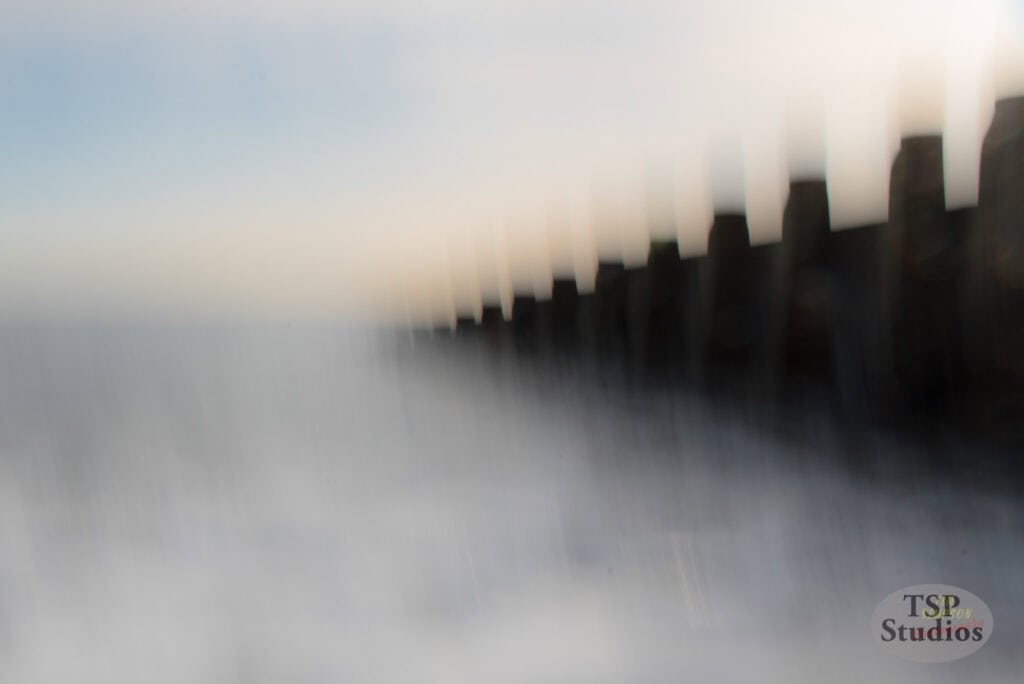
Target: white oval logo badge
{"x": 931, "y": 623}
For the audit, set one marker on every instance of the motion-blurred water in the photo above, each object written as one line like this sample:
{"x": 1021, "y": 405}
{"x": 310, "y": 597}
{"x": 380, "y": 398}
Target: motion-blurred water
{"x": 257, "y": 503}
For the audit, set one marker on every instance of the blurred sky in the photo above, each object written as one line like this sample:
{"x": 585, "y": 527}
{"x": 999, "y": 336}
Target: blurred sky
{"x": 198, "y": 154}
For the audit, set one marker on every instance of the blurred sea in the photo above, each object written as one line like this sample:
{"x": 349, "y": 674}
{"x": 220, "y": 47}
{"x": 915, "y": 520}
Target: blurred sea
{"x": 311, "y": 503}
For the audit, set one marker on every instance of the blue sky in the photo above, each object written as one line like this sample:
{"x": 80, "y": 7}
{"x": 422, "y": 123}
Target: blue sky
{"x": 86, "y": 117}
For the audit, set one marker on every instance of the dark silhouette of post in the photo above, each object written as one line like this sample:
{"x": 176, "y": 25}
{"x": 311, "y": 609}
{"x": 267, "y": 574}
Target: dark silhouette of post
{"x": 527, "y": 323}
{"x": 665, "y": 334}
{"x": 729, "y": 316}
{"x": 728, "y": 294}
{"x": 611, "y": 293}
{"x": 994, "y": 283}
{"x": 924, "y": 267}
{"x": 494, "y": 329}
{"x": 563, "y": 324}
{"x": 803, "y": 327}
{"x": 862, "y": 348}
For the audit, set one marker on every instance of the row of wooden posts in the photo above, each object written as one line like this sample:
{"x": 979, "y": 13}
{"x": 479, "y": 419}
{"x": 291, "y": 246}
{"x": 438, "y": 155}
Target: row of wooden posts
{"x": 920, "y": 315}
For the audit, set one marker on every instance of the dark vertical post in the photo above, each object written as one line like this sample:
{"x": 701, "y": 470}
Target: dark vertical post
{"x": 923, "y": 272}
{"x": 728, "y": 294}
{"x": 610, "y": 300}
{"x": 805, "y": 305}
{"x": 994, "y": 284}
{"x": 666, "y": 342}
{"x": 563, "y": 324}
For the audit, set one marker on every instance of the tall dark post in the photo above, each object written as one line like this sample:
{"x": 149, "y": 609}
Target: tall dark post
{"x": 924, "y": 269}
{"x": 666, "y": 339}
{"x": 862, "y": 349}
{"x": 994, "y": 284}
{"x": 728, "y": 298}
{"x": 805, "y": 305}
{"x": 563, "y": 325}
{"x": 494, "y": 328}
{"x": 527, "y": 323}
{"x": 465, "y": 326}
{"x": 611, "y": 293}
